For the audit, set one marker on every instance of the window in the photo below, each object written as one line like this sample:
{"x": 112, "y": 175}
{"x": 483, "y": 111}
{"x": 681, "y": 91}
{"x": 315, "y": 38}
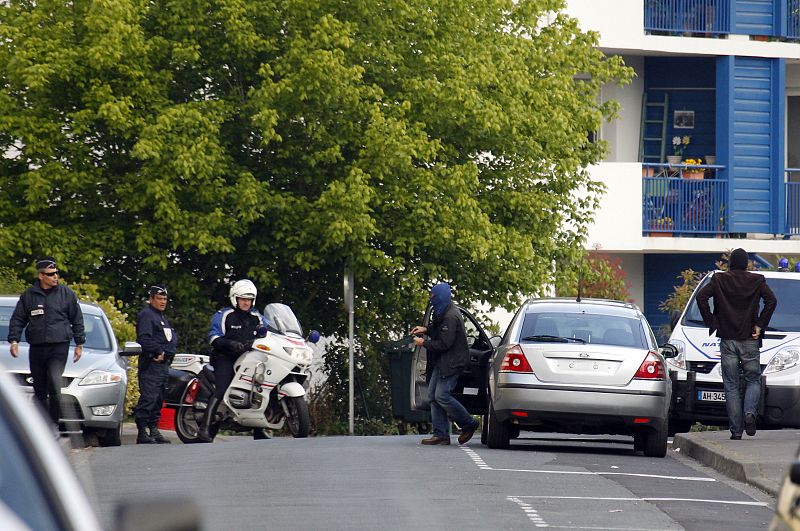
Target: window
{"x": 591, "y": 328}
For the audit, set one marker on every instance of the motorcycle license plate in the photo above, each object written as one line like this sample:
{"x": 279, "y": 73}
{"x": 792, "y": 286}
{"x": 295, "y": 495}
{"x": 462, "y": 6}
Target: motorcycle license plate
{"x": 711, "y": 396}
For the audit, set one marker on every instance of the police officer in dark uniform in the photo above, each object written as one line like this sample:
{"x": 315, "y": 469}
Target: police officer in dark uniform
{"x": 159, "y": 342}
{"x": 232, "y": 333}
{"x": 51, "y": 317}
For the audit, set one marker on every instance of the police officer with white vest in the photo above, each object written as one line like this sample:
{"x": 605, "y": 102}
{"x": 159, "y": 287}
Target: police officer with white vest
{"x": 51, "y": 317}
{"x": 159, "y": 342}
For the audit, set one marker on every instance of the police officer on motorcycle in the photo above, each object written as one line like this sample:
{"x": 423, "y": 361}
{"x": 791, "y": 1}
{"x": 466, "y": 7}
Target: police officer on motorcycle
{"x": 232, "y": 333}
{"x": 159, "y": 342}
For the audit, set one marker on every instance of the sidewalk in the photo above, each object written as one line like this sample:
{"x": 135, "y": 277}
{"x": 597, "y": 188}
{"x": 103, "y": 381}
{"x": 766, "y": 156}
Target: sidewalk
{"x": 762, "y": 460}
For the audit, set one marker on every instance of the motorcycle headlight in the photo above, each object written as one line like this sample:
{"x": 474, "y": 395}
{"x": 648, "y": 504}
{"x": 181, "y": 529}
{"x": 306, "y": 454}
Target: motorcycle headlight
{"x": 301, "y": 354}
{"x": 101, "y": 377}
{"x": 785, "y": 358}
{"x": 678, "y": 361}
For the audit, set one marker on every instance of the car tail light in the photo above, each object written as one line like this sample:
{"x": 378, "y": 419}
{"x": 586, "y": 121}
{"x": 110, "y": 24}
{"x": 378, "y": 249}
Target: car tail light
{"x": 515, "y": 361}
{"x": 651, "y": 368}
{"x": 191, "y": 392}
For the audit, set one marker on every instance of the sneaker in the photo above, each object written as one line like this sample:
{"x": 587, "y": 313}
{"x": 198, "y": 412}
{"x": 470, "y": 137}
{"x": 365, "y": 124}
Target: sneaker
{"x": 467, "y": 434}
{"x": 750, "y": 424}
{"x": 435, "y": 440}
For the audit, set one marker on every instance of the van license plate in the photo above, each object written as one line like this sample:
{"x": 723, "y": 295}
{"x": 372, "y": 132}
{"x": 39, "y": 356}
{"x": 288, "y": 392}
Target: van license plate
{"x": 711, "y": 396}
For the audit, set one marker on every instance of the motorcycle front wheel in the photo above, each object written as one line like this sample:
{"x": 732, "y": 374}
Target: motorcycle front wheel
{"x": 187, "y": 424}
{"x": 297, "y": 419}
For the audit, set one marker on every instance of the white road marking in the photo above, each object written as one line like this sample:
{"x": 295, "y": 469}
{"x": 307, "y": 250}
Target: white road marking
{"x": 725, "y": 502}
{"x": 482, "y": 465}
{"x": 530, "y": 512}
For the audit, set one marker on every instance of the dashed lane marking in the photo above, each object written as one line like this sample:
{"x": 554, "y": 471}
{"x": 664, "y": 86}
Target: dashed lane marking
{"x": 530, "y": 512}
{"x": 482, "y": 465}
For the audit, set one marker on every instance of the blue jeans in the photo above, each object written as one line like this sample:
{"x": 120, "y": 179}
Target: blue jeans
{"x": 443, "y": 405}
{"x": 733, "y": 352}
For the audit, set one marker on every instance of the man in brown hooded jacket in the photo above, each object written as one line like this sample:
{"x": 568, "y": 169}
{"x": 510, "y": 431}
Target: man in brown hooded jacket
{"x": 740, "y": 328}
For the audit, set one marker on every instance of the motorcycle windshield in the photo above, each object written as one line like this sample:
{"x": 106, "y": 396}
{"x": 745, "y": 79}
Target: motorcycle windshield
{"x": 282, "y": 318}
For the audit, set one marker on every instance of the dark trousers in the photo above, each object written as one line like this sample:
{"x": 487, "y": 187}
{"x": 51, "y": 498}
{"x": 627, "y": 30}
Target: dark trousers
{"x": 152, "y": 380}
{"x": 223, "y": 374}
{"x": 47, "y": 362}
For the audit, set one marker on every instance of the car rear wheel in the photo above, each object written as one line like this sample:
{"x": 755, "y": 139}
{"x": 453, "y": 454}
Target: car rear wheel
{"x": 498, "y": 436}
{"x": 655, "y": 443}
{"x": 484, "y": 428}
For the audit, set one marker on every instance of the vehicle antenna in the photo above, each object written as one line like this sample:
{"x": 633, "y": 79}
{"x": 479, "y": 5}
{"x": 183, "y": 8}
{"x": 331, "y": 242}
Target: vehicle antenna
{"x": 580, "y": 276}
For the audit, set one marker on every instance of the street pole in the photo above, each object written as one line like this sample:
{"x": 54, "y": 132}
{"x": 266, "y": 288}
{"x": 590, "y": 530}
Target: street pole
{"x": 349, "y": 287}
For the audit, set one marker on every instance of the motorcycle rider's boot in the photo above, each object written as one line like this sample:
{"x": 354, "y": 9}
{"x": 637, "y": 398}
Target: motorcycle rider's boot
{"x": 203, "y": 433}
{"x": 143, "y": 437}
{"x": 157, "y": 436}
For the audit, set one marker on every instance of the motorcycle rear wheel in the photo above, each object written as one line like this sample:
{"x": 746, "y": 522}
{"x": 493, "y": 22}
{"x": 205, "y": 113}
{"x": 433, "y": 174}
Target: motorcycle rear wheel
{"x": 297, "y": 420}
{"x": 187, "y": 426}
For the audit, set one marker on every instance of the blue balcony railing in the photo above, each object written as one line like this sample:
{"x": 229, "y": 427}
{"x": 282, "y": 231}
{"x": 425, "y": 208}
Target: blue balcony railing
{"x": 793, "y": 19}
{"x": 678, "y": 17}
{"x": 673, "y": 202}
{"x": 792, "y": 201}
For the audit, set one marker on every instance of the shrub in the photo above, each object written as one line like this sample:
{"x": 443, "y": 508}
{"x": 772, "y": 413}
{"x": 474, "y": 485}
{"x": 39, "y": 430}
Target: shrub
{"x": 601, "y": 277}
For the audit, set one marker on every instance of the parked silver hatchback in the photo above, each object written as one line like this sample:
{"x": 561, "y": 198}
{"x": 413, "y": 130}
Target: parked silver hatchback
{"x": 579, "y": 366}
{"x": 93, "y": 392}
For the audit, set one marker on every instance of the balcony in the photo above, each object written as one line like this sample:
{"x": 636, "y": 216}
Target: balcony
{"x": 680, "y": 200}
{"x": 792, "y": 201}
{"x": 709, "y": 18}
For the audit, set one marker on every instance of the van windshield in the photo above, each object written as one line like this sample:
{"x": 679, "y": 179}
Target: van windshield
{"x": 787, "y": 291}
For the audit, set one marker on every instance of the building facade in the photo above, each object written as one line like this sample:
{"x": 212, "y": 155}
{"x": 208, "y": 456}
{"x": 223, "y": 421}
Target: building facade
{"x": 705, "y": 155}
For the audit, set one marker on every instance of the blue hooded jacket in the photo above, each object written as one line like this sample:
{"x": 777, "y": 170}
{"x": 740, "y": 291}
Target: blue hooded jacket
{"x": 441, "y": 296}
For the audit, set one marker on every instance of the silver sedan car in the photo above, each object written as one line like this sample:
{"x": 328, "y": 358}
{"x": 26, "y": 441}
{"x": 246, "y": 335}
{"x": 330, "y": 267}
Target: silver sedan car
{"x": 93, "y": 392}
{"x": 579, "y": 366}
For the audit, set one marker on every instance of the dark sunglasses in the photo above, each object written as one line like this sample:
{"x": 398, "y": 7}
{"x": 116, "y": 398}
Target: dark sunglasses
{"x": 50, "y": 274}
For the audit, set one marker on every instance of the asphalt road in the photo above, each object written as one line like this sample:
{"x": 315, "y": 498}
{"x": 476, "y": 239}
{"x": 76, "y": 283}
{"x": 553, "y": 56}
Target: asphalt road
{"x": 554, "y": 481}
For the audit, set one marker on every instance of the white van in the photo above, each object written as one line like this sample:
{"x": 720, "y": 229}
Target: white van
{"x": 697, "y": 391}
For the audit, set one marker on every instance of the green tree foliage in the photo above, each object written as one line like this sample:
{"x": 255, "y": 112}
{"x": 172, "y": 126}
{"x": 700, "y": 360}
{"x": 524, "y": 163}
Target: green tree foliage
{"x": 196, "y": 142}
{"x": 601, "y": 276}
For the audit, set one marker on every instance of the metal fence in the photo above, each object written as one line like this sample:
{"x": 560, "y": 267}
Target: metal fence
{"x": 793, "y": 19}
{"x": 688, "y": 16}
{"x": 675, "y": 201}
{"x": 792, "y": 201}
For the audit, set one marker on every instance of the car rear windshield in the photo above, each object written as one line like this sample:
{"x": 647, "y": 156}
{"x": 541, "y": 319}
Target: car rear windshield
{"x": 97, "y": 336}
{"x": 587, "y": 328}
{"x": 785, "y": 319}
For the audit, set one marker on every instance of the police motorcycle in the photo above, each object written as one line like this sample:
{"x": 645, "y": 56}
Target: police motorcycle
{"x": 268, "y": 387}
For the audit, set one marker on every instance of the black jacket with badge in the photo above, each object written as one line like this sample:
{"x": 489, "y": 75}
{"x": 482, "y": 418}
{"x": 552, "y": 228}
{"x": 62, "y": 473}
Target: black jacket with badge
{"x": 155, "y": 335}
{"x": 447, "y": 342}
{"x": 52, "y": 316}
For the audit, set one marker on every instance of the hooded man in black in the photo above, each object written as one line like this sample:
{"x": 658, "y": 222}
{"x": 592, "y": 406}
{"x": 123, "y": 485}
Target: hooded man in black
{"x": 448, "y": 354}
{"x": 740, "y": 328}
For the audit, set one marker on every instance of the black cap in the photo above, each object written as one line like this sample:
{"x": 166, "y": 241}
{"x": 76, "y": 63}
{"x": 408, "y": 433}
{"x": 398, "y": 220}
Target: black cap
{"x": 46, "y": 262}
{"x": 157, "y": 289}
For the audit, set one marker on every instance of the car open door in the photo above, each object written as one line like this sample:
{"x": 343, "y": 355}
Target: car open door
{"x": 471, "y": 388}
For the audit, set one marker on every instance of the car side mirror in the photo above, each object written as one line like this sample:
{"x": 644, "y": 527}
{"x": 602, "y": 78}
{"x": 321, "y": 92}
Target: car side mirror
{"x": 794, "y": 473}
{"x": 130, "y": 348}
{"x": 668, "y": 350}
{"x": 495, "y": 341}
{"x": 314, "y": 336}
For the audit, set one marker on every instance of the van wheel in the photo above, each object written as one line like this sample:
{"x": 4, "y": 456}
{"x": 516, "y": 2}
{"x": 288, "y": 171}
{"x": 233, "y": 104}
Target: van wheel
{"x": 655, "y": 443}
{"x": 498, "y": 436}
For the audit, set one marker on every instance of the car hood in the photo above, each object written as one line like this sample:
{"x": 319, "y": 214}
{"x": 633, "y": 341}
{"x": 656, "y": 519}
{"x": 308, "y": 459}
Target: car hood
{"x": 90, "y": 360}
{"x": 701, "y": 346}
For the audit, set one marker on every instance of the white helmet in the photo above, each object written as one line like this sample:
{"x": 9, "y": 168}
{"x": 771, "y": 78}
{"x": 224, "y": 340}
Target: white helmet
{"x": 242, "y": 289}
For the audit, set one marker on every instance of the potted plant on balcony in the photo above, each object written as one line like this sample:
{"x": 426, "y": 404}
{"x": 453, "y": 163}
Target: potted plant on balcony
{"x": 693, "y": 170}
{"x": 679, "y": 144}
{"x": 663, "y": 225}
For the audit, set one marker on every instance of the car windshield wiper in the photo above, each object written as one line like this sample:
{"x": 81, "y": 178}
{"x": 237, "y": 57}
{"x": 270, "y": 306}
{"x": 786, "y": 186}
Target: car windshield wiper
{"x": 553, "y": 339}
{"x": 695, "y": 321}
{"x": 770, "y": 329}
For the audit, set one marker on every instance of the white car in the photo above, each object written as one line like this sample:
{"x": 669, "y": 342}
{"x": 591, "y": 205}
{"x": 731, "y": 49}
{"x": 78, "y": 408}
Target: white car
{"x": 698, "y": 394}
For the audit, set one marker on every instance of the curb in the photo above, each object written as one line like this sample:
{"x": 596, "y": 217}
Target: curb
{"x": 707, "y": 453}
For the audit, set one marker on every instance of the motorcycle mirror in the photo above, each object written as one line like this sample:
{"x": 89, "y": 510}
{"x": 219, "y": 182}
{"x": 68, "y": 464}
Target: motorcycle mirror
{"x": 262, "y": 331}
{"x": 314, "y": 336}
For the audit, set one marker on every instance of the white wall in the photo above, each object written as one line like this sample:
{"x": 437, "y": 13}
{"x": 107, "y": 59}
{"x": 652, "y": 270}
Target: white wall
{"x": 622, "y": 134}
{"x": 618, "y": 221}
